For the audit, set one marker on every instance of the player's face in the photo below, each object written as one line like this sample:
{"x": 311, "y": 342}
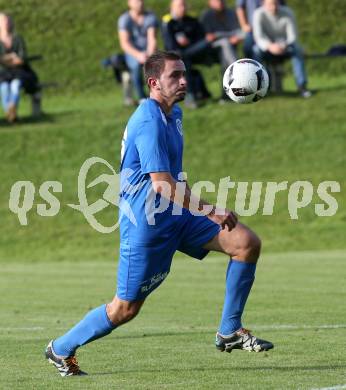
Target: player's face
{"x": 173, "y": 82}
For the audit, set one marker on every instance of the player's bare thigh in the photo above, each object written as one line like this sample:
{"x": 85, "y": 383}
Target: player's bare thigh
{"x": 241, "y": 243}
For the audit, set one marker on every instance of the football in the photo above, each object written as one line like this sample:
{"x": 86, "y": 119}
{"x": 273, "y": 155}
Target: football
{"x": 246, "y": 81}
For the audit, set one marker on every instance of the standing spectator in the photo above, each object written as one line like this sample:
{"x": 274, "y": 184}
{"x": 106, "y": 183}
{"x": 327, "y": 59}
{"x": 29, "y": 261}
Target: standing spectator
{"x": 223, "y": 31}
{"x": 184, "y": 34}
{"x": 245, "y": 10}
{"x": 137, "y": 34}
{"x": 275, "y": 34}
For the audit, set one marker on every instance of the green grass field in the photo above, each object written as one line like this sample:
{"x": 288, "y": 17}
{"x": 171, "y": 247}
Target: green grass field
{"x": 298, "y": 302}
{"x": 278, "y": 139}
{"x": 55, "y": 269}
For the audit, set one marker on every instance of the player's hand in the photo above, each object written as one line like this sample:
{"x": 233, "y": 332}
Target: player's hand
{"x": 225, "y": 218}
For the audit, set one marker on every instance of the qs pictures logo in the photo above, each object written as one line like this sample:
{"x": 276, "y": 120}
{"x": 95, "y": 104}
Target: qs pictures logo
{"x": 22, "y": 196}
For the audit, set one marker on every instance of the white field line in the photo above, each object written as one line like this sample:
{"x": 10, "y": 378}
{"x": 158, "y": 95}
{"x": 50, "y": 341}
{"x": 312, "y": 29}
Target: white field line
{"x": 195, "y": 329}
{"x": 337, "y": 387}
{"x": 22, "y": 329}
{"x": 297, "y": 327}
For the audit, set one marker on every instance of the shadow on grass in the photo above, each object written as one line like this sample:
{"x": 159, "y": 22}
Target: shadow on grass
{"x": 209, "y": 332}
{"x": 30, "y": 120}
{"x": 284, "y": 94}
{"x": 222, "y": 369}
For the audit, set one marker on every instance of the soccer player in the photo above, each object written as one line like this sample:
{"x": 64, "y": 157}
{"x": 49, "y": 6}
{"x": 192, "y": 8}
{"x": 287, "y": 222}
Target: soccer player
{"x": 151, "y": 168}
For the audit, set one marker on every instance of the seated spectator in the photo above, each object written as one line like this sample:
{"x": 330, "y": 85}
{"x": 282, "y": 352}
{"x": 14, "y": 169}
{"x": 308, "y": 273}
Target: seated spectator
{"x": 245, "y": 10}
{"x": 137, "y": 34}
{"x": 275, "y": 35}
{"x": 184, "y": 34}
{"x": 14, "y": 69}
{"x": 223, "y": 31}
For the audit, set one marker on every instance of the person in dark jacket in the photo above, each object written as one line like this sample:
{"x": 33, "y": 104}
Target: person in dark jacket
{"x": 184, "y": 34}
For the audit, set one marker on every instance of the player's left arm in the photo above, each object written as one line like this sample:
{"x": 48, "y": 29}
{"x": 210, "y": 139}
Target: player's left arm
{"x": 164, "y": 184}
{"x": 222, "y": 217}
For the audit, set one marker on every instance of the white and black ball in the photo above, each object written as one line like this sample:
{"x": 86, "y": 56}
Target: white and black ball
{"x": 246, "y": 81}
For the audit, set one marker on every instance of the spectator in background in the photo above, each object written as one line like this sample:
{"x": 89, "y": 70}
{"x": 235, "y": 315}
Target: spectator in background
{"x": 223, "y": 31}
{"x": 15, "y": 72}
{"x": 245, "y": 10}
{"x": 275, "y": 34}
{"x": 184, "y": 34}
{"x": 12, "y": 55}
{"x": 137, "y": 34}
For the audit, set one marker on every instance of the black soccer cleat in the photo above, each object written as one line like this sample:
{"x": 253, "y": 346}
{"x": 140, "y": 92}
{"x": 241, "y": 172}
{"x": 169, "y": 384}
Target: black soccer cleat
{"x": 67, "y": 366}
{"x": 242, "y": 339}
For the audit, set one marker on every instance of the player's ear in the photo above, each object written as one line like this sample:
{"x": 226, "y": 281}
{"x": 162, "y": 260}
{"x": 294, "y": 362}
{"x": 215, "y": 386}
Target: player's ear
{"x": 153, "y": 83}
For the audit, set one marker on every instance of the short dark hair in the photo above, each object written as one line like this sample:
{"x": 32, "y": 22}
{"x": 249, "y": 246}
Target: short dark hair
{"x": 155, "y": 64}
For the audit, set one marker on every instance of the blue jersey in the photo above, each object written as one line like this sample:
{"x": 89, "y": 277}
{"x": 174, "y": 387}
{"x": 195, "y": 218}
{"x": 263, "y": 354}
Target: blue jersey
{"x": 152, "y": 142}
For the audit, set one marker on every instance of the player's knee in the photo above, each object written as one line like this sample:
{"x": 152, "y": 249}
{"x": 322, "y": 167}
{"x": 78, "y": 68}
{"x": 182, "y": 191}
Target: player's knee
{"x": 120, "y": 312}
{"x": 255, "y": 247}
{"x": 128, "y": 313}
{"x": 251, "y": 247}
{"x": 248, "y": 247}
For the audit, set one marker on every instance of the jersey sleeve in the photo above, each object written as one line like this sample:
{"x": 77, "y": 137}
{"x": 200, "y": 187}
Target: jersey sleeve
{"x": 151, "y": 144}
{"x": 152, "y": 21}
{"x": 124, "y": 22}
{"x": 240, "y": 3}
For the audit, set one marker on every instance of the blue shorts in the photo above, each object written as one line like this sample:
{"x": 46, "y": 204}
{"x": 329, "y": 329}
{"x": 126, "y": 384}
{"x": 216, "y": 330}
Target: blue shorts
{"x": 143, "y": 267}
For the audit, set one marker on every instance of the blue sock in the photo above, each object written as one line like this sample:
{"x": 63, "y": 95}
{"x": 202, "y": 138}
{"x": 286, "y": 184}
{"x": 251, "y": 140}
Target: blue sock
{"x": 94, "y": 325}
{"x": 239, "y": 279}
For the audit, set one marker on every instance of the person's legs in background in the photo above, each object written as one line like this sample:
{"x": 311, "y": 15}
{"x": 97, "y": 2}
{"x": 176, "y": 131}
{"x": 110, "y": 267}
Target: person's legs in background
{"x": 10, "y": 96}
{"x": 195, "y": 54}
{"x": 15, "y": 91}
{"x": 5, "y": 94}
{"x": 257, "y": 54}
{"x": 190, "y": 99}
{"x": 136, "y": 75}
{"x": 295, "y": 53}
{"x": 14, "y": 100}
{"x": 274, "y": 66}
{"x": 248, "y": 45}
{"x": 227, "y": 55}
{"x": 36, "y": 100}
{"x": 297, "y": 58}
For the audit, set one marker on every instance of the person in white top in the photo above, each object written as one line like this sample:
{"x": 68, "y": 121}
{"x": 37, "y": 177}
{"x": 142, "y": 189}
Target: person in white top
{"x": 275, "y": 34}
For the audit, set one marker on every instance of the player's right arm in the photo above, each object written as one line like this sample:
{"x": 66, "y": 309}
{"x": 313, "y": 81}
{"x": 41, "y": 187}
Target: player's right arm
{"x": 164, "y": 184}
